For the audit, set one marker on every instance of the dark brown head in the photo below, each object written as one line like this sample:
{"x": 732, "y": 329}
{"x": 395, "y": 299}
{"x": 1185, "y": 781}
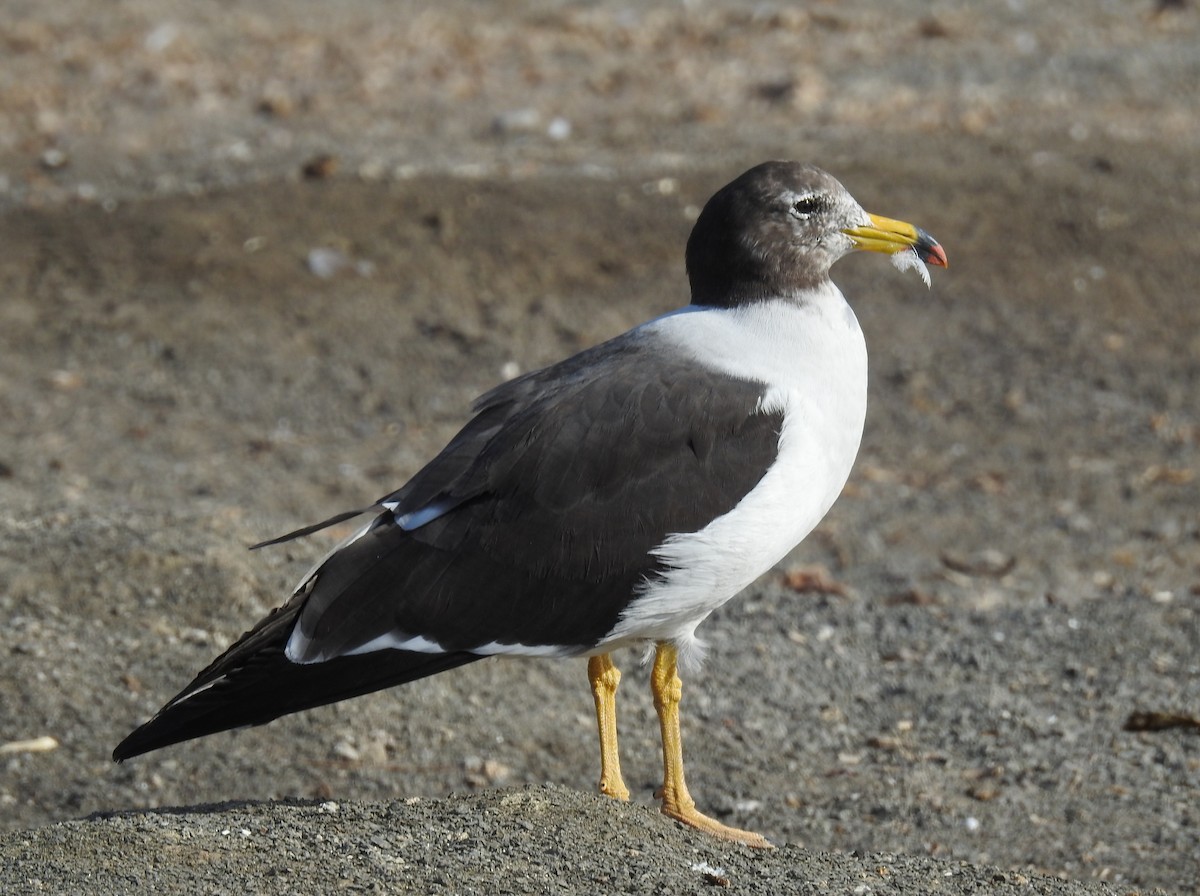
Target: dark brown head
{"x": 777, "y": 230}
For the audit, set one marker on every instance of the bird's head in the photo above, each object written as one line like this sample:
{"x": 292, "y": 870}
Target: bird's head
{"x": 778, "y": 229}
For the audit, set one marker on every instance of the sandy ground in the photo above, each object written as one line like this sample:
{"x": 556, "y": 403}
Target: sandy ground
{"x": 1014, "y": 567}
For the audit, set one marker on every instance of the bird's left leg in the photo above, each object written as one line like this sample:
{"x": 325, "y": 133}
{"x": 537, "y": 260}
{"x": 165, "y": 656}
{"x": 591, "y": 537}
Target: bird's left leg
{"x": 605, "y": 677}
{"x": 676, "y": 801}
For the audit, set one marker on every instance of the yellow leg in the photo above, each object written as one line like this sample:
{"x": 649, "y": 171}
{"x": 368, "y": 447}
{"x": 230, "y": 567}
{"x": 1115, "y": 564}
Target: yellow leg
{"x": 605, "y": 677}
{"x": 676, "y": 801}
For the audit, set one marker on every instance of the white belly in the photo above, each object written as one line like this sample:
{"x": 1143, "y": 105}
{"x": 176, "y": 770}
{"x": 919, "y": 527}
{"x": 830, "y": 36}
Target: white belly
{"x": 813, "y": 359}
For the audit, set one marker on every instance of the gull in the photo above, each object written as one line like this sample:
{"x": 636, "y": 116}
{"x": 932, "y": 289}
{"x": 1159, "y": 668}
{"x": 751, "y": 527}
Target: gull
{"x": 616, "y": 498}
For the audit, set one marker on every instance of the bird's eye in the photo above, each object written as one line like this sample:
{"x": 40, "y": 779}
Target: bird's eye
{"x": 807, "y": 205}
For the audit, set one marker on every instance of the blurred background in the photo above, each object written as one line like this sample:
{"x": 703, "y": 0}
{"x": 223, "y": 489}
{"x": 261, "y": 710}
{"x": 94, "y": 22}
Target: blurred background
{"x": 256, "y": 260}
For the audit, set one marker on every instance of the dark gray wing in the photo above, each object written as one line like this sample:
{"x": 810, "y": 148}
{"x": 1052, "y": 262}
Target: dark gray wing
{"x": 548, "y": 504}
{"x": 551, "y": 500}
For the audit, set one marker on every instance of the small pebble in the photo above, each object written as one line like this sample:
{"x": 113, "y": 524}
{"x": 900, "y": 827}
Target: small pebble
{"x": 327, "y": 263}
{"x": 527, "y": 119}
{"x": 346, "y": 750}
{"x": 53, "y": 159}
{"x": 43, "y": 744}
{"x": 559, "y": 128}
{"x": 320, "y": 167}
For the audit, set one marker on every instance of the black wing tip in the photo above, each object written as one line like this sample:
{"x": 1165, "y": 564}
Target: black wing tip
{"x": 277, "y": 687}
{"x": 123, "y": 751}
{"x": 138, "y": 742}
{"x": 168, "y": 726}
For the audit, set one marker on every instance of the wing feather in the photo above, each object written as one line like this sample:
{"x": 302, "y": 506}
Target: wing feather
{"x": 556, "y": 494}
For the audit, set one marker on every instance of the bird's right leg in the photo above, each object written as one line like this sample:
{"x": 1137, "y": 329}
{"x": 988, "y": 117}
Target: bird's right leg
{"x": 676, "y": 801}
{"x": 605, "y": 677}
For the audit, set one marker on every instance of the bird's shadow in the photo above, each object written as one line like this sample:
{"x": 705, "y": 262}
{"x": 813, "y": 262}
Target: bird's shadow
{"x": 207, "y": 808}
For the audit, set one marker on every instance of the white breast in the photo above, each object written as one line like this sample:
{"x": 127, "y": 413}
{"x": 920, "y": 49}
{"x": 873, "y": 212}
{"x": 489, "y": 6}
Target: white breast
{"x": 812, "y": 357}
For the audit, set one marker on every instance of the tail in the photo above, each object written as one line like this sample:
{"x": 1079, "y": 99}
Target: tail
{"x": 253, "y": 682}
